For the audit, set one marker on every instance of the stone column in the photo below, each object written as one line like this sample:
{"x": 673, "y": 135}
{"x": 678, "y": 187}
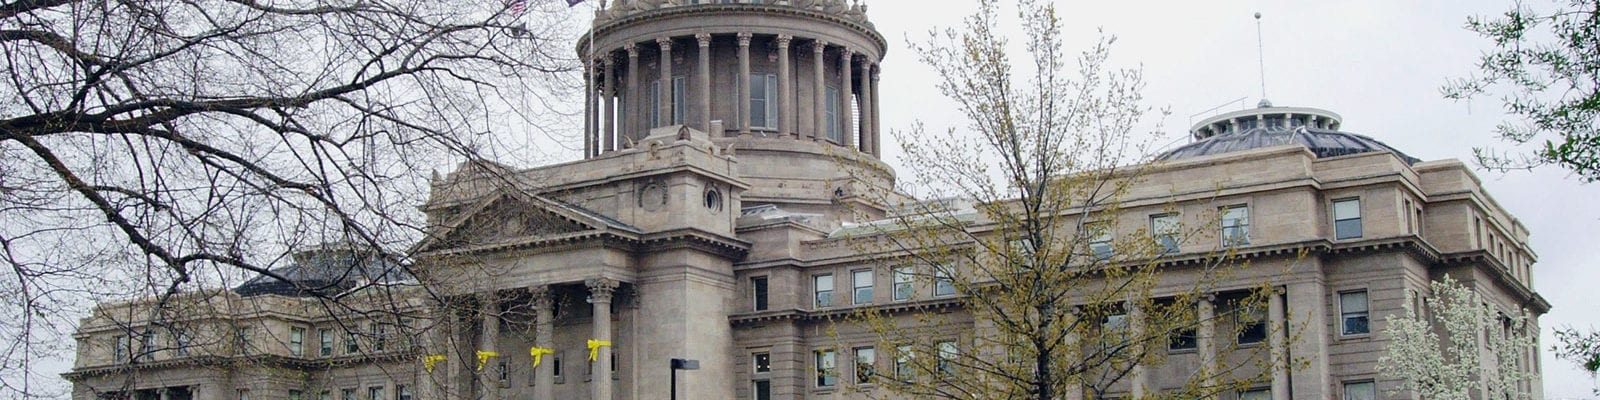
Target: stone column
{"x": 704, "y": 99}
{"x": 453, "y": 364}
{"x": 866, "y": 108}
{"x": 609, "y": 132}
{"x": 785, "y": 89}
{"x": 819, "y": 109}
{"x": 1136, "y": 327}
{"x": 846, "y": 89}
{"x": 1074, "y": 348}
{"x": 544, "y": 378}
{"x": 631, "y": 99}
{"x": 1308, "y": 320}
{"x": 489, "y": 341}
{"x": 743, "y": 91}
{"x": 588, "y": 109}
{"x": 1276, "y": 339}
{"x": 432, "y": 343}
{"x": 600, "y": 290}
{"x": 877, "y": 116}
{"x": 1206, "y": 341}
{"x": 664, "y": 100}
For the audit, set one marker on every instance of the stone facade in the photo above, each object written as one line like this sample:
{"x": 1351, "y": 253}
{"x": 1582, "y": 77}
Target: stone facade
{"x": 697, "y": 227}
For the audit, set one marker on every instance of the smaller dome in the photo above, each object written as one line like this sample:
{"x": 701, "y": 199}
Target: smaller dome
{"x": 325, "y": 270}
{"x": 1322, "y": 142}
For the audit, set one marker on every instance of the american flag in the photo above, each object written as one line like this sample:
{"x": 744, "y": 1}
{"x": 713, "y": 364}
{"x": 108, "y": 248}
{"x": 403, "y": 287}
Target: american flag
{"x": 517, "y": 7}
{"x": 571, "y": 3}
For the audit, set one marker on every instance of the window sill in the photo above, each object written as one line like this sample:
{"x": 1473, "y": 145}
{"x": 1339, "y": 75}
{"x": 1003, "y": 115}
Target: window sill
{"x": 1356, "y": 337}
{"x": 1183, "y": 351}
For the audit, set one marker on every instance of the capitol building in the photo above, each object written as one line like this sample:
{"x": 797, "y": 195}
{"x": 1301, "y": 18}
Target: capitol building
{"x": 729, "y": 149}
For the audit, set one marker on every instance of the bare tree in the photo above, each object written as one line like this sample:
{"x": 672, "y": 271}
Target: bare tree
{"x": 1061, "y": 296}
{"x": 157, "y": 146}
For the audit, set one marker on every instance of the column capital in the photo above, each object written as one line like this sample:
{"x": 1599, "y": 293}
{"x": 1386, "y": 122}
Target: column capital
{"x": 848, "y": 52}
{"x": 744, "y": 39}
{"x": 1207, "y": 297}
{"x": 665, "y": 43}
{"x": 632, "y": 49}
{"x": 783, "y": 41}
{"x": 818, "y": 46}
{"x": 541, "y": 296}
{"x": 703, "y": 38}
{"x": 601, "y": 289}
{"x": 1279, "y": 290}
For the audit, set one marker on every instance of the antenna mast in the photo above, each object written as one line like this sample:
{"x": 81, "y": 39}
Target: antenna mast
{"x": 1261, "y": 59}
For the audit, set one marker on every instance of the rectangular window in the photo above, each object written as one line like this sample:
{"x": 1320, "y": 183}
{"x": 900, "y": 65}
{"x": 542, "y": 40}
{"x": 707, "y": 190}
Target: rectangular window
{"x": 764, "y": 101}
{"x": 1252, "y": 324}
{"x": 827, "y": 369}
{"x": 350, "y": 344}
{"x": 902, "y": 364}
{"x": 822, "y": 285}
{"x": 1183, "y": 339}
{"x": 325, "y": 340}
{"x": 832, "y": 105}
{"x": 296, "y": 395}
{"x": 347, "y": 394}
{"x": 402, "y": 392}
{"x": 947, "y": 358}
{"x": 943, "y": 284}
{"x": 903, "y": 283}
{"x": 1347, "y": 219}
{"x": 866, "y": 364}
{"x": 325, "y": 395}
{"x": 1235, "y": 225}
{"x": 119, "y": 346}
{"x": 1100, "y": 241}
{"x": 758, "y": 292}
{"x": 241, "y": 339}
{"x": 1164, "y": 228}
{"x": 375, "y": 393}
{"x": 679, "y": 112}
{"x": 380, "y": 336}
{"x": 653, "y": 100}
{"x": 182, "y": 341}
{"x": 862, "y": 281}
{"x": 1353, "y": 312}
{"x": 763, "y": 390}
{"x": 1114, "y": 330}
{"x": 244, "y": 394}
{"x": 555, "y": 366}
{"x": 147, "y": 345}
{"x": 1256, "y": 394}
{"x": 1360, "y": 391}
{"x": 761, "y": 362}
{"x": 297, "y": 341}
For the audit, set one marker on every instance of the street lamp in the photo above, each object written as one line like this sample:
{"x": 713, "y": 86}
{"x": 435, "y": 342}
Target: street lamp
{"x": 683, "y": 364}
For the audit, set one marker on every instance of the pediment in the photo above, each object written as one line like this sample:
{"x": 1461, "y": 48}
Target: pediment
{"x": 507, "y": 218}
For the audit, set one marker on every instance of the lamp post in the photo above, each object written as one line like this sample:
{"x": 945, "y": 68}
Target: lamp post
{"x": 683, "y": 364}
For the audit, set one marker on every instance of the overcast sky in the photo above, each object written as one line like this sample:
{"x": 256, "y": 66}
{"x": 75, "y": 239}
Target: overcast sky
{"x": 1378, "y": 63}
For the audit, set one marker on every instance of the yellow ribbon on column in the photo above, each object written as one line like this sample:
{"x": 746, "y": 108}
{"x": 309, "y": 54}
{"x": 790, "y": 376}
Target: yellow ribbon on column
{"x": 538, "y": 354}
{"x": 594, "y": 348}
{"x": 483, "y": 358}
{"x": 430, "y": 360}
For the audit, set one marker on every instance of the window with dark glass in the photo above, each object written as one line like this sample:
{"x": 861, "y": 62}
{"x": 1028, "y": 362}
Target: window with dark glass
{"x": 762, "y": 362}
{"x": 903, "y": 283}
{"x": 1252, "y": 320}
{"x": 1164, "y": 228}
{"x": 758, "y": 292}
{"x": 943, "y": 284}
{"x": 827, "y": 369}
{"x": 1235, "y": 225}
{"x": 866, "y": 361}
{"x": 862, "y": 281}
{"x": 1100, "y": 241}
{"x": 764, "y": 101}
{"x": 120, "y": 348}
{"x": 375, "y": 393}
{"x": 1353, "y": 312}
{"x": 822, "y": 286}
{"x": 763, "y": 389}
{"x": 679, "y": 112}
{"x": 832, "y": 108}
{"x": 1183, "y": 339}
{"x": 1347, "y": 218}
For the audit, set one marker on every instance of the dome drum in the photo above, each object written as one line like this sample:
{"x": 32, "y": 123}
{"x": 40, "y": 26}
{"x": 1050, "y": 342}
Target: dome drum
{"x": 803, "y": 70}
